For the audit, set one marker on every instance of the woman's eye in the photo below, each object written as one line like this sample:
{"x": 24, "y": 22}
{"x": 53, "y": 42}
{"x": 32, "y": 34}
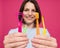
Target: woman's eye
{"x": 26, "y": 10}
{"x": 33, "y": 10}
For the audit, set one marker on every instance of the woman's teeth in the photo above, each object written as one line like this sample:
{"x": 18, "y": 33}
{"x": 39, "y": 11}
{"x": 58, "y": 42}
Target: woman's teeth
{"x": 29, "y": 17}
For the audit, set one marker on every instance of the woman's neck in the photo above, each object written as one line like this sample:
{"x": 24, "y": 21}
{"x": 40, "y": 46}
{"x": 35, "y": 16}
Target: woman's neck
{"x": 29, "y": 25}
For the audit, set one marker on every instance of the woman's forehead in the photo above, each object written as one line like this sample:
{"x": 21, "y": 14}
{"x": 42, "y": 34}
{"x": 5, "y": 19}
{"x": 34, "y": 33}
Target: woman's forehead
{"x": 29, "y": 5}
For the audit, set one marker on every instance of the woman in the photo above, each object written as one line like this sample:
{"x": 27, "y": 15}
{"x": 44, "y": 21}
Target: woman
{"x": 29, "y": 40}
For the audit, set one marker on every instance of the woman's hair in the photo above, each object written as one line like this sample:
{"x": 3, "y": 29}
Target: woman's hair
{"x": 36, "y": 6}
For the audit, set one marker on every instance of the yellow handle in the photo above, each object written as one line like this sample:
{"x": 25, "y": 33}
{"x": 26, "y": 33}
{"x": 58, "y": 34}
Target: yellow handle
{"x": 44, "y": 28}
{"x": 44, "y": 32}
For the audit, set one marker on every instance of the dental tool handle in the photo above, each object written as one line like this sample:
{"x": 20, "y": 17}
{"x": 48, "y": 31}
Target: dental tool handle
{"x": 37, "y": 27}
{"x": 20, "y": 26}
{"x": 43, "y": 22}
{"x": 44, "y": 28}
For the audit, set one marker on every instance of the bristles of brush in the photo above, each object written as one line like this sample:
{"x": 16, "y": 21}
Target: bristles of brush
{"x": 37, "y": 15}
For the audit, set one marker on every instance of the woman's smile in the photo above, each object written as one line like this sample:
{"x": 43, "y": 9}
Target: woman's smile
{"x": 29, "y": 17}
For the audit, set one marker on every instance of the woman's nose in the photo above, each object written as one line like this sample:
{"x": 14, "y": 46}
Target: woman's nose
{"x": 30, "y": 13}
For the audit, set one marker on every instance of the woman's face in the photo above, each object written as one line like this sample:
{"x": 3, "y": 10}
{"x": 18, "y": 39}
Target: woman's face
{"x": 29, "y": 13}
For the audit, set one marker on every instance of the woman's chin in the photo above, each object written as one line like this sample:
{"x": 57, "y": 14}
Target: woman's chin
{"x": 29, "y": 22}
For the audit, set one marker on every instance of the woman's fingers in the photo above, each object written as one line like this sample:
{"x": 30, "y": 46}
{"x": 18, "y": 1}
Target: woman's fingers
{"x": 45, "y": 38}
{"x": 46, "y": 41}
{"x": 16, "y": 44}
{"x": 51, "y": 39}
{"x": 40, "y": 46}
{"x": 15, "y": 37}
{"x": 15, "y": 40}
{"x": 22, "y": 46}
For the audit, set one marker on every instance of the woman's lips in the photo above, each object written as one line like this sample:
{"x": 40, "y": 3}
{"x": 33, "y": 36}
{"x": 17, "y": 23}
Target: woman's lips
{"x": 29, "y": 18}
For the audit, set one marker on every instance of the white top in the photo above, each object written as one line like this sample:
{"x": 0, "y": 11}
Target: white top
{"x": 30, "y": 34}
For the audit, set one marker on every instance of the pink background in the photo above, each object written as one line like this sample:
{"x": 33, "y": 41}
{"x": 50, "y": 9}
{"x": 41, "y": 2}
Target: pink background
{"x": 8, "y": 16}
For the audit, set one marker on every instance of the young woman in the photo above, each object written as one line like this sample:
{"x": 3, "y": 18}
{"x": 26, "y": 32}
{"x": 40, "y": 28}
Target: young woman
{"x": 29, "y": 39}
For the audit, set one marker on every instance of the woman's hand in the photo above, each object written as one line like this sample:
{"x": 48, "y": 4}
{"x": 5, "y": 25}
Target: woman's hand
{"x": 15, "y": 40}
{"x": 44, "y": 42}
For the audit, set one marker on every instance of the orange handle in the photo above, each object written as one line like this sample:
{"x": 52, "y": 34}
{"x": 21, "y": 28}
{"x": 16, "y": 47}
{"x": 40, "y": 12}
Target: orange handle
{"x": 37, "y": 27}
{"x": 37, "y": 24}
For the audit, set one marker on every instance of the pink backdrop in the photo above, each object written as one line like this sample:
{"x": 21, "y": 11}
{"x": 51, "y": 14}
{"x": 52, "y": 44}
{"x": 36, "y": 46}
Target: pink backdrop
{"x": 8, "y": 16}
